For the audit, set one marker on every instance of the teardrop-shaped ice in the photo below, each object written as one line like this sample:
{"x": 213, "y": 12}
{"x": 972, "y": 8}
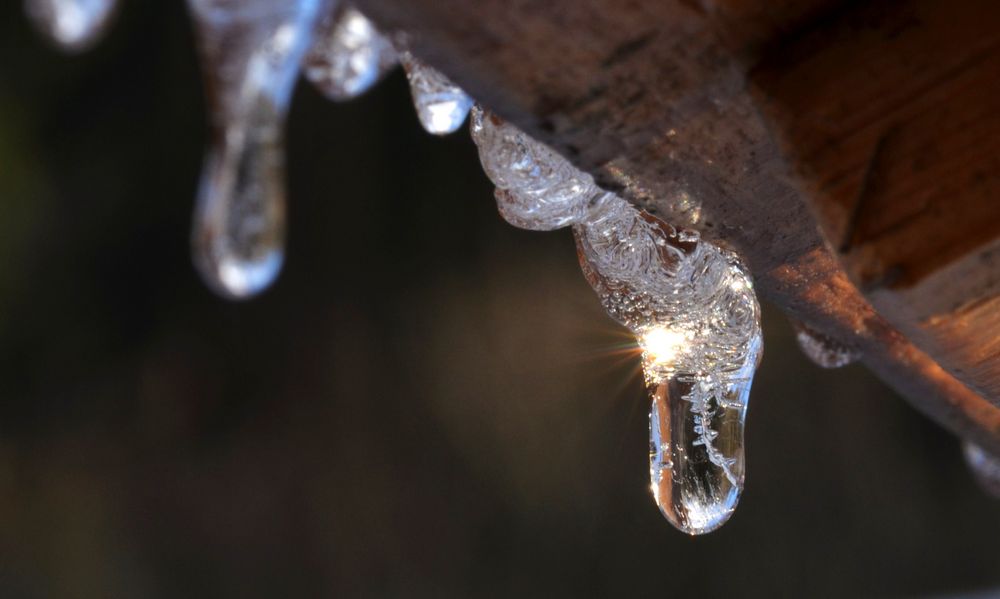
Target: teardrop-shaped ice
{"x": 251, "y": 52}
{"x": 348, "y": 55}
{"x": 822, "y": 350}
{"x": 73, "y": 24}
{"x": 692, "y": 308}
{"x": 441, "y": 105}
{"x": 985, "y": 467}
{"x": 696, "y": 457}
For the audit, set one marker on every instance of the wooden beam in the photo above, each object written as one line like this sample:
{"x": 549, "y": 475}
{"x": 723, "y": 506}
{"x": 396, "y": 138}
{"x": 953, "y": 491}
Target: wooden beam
{"x": 652, "y": 97}
{"x": 889, "y": 119}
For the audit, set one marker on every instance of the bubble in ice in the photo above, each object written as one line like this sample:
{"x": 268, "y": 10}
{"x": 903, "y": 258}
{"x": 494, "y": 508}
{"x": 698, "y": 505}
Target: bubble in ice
{"x": 74, "y": 25}
{"x": 251, "y": 51}
{"x": 348, "y": 54}
{"x": 441, "y": 105}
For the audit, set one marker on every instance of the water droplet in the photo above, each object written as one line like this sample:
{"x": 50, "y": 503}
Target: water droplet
{"x": 251, "y": 51}
{"x": 348, "y": 55}
{"x": 441, "y": 105}
{"x": 73, "y": 24}
{"x": 985, "y": 467}
{"x": 822, "y": 350}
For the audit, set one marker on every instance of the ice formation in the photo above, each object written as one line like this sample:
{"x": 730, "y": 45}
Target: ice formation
{"x": 822, "y": 350}
{"x": 251, "y": 51}
{"x": 348, "y": 54}
{"x": 441, "y": 105}
{"x": 72, "y": 24}
{"x": 985, "y": 467}
{"x": 689, "y": 303}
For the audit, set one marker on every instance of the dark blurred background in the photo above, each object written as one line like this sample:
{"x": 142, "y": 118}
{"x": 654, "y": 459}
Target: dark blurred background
{"x": 428, "y": 403}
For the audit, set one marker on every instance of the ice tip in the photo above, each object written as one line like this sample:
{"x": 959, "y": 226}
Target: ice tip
{"x": 239, "y": 279}
{"x": 697, "y": 522}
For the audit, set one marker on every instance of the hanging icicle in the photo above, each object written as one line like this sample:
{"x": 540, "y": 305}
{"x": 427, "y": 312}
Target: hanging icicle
{"x": 822, "y": 350}
{"x": 251, "y": 51}
{"x": 689, "y": 303}
{"x": 692, "y": 307}
{"x": 441, "y": 105}
{"x": 348, "y": 55}
{"x": 74, "y": 25}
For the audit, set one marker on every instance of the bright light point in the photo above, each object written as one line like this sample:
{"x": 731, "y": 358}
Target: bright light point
{"x": 738, "y": 284}
{"x": 662, "y": 345}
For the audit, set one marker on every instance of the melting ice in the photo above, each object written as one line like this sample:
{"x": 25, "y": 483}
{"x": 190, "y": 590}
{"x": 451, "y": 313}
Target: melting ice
{"x": 689, "y": 303}
{"x": 251, "y": 51}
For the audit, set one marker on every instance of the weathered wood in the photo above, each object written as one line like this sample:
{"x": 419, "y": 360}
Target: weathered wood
{"x": 889, "y": 118}
{"x": 651, "y": 96}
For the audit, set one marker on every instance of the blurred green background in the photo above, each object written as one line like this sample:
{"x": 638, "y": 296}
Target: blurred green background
{"x": 429, "y": 403}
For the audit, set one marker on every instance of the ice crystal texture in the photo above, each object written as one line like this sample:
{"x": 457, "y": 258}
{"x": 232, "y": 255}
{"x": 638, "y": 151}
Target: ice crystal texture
{"x": 441, "y": 105}
{"x": 985, "y": 467}
{"x": 536, "y": 187}
{"x": 692, "y": 307}
{"x": 348, "y": 55}
{"x": 689, "y": 303}
{"x": 251, "y": 51}
{"x": 72, "y": 24}
{"x": 822, "y": 350}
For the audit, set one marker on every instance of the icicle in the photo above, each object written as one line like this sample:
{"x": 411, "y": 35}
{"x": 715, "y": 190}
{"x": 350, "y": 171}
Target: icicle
{"x": 692, "y": 307}
{"x": 690, "y": 304}
{"x": 73, "y": 24}
{"x": 822, "y": 350}
{"x": 348, "y": 55}
{"x": 985, "y": 467}
{"x": 251, "y": 51}
{"x": 441, "y": 105}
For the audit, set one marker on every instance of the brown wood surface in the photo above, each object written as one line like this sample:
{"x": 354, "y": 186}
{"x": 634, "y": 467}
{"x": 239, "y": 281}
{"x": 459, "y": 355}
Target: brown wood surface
{"x": 654, "y": 98}
{"x": 890, "y": 121}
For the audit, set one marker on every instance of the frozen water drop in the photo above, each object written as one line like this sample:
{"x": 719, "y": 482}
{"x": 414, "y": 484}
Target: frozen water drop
{"x": 73, "y": 24}
{"x": 985, "y": 467}
{"x": 441, "y": 105}
{"x": 348, "y": 54}
{"x": 696, "y": 463}
{"x": 537, "y": 189}
{"x": 251, "y": 51}
{"x": 822, "y": 350}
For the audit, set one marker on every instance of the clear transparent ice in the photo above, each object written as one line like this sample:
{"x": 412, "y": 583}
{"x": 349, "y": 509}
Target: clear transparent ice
{"x": 690, "y": 304}
{"x": 441, "y": 105}
{"x": 348, "y": 54}
{"x": 251, "y": 51}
